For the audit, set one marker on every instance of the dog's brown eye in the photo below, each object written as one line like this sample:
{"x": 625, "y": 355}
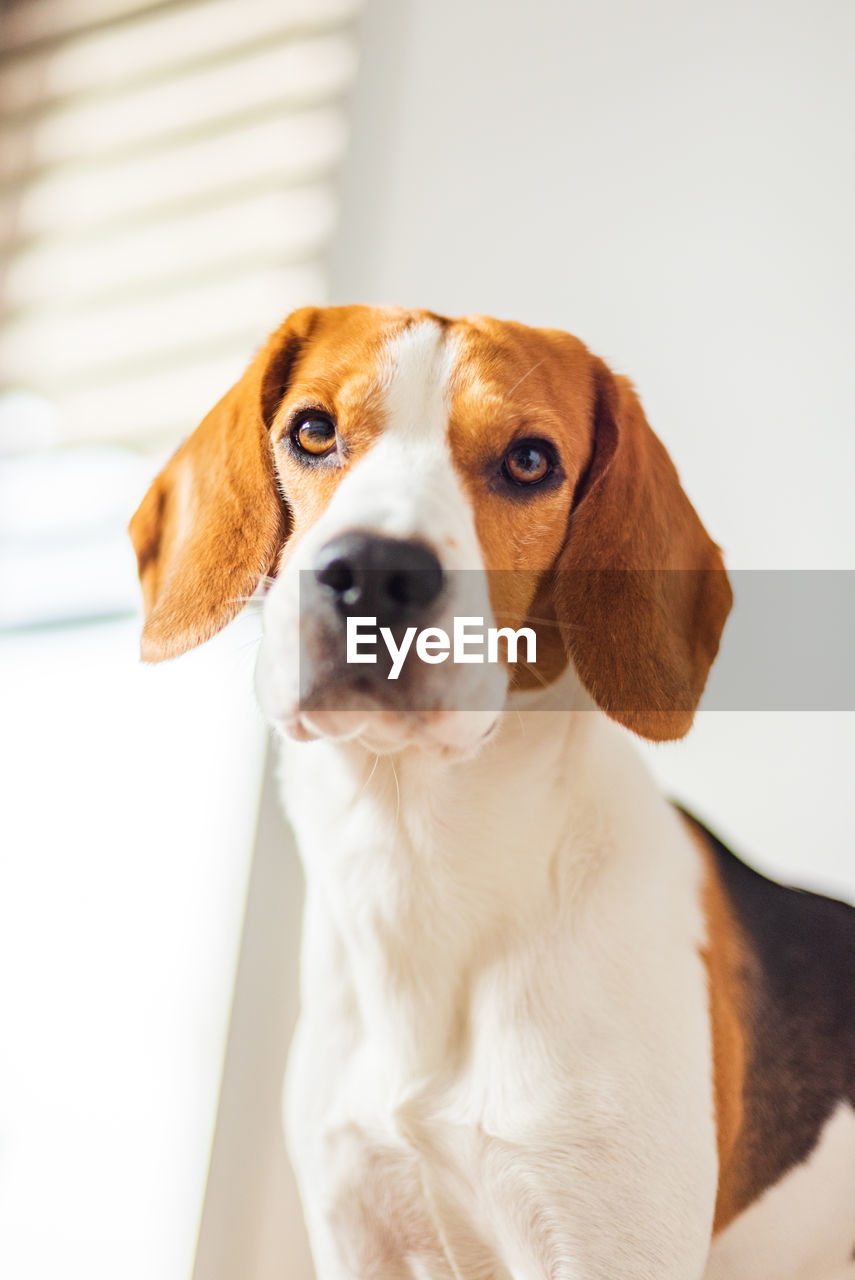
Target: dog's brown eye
{"x": 315, "y": 434}
{"x": 527, "y": 462}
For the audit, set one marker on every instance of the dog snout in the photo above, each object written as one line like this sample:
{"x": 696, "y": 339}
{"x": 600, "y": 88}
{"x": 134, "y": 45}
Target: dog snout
{"x": 390, "y": 579}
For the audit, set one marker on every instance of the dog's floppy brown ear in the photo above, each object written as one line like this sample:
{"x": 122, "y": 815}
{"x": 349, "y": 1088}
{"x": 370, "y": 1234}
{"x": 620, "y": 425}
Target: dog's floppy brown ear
{"x": 214, "y": 520}
{"x": 640, "y": 588}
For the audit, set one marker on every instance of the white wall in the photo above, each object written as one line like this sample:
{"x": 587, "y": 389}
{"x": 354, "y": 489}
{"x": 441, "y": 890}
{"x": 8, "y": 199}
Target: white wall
{"x": 670, "y": 182}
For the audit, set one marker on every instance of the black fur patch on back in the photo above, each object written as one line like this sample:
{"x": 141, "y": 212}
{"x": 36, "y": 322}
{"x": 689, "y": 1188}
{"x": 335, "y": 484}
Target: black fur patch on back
{"x": 800, "y": 1015}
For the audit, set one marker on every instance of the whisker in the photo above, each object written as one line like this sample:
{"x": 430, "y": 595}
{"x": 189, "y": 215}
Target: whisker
{"x": 253, "y": 641}
{"x": 544, "y": 683}
{"x": 370, "y": 776}
{"x": 546, "y": 622}
{"x": 398, "y": 791}
{"x": 543, "y": 622}
{"x": 525, "y": 375}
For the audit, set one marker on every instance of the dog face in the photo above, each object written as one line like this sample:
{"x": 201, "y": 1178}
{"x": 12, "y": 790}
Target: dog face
{"x": 414, "y": 469}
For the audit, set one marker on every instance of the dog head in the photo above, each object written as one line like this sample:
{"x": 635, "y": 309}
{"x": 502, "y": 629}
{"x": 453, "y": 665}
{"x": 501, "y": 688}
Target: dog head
{"x": 402, "y": 466}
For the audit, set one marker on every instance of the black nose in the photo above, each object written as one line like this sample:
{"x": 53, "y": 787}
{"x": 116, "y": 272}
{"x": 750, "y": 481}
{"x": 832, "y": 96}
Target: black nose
{"x": 390, "y": 579}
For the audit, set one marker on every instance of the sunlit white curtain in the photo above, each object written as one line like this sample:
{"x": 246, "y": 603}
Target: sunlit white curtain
{"x": 166, "y": 196}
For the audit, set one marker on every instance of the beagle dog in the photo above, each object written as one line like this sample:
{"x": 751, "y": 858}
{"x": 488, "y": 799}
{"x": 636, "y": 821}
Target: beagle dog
{"x": 551, "y": 1027}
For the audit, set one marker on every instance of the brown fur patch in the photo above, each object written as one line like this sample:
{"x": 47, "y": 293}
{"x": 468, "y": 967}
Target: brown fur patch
{"x": 726, "y": 962}
{"x": 514, "y": 382}
{"x": 640, "y": 585}
{"x": 782, "y": 986}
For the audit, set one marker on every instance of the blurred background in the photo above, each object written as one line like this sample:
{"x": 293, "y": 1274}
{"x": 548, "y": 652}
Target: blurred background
{"x": 673, "y": 182}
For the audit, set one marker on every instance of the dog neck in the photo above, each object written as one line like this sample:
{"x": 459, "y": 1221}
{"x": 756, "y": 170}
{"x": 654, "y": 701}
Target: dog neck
{"x": 421, "y": 871}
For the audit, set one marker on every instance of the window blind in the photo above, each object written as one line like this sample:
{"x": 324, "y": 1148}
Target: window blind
{"x": 167, "y": 195}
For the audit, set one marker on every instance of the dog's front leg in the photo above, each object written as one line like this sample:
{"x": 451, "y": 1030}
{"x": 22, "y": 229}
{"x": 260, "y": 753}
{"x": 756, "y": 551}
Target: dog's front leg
{"x": 368, "y": 1213}
{"x": 596, "y": 1209}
